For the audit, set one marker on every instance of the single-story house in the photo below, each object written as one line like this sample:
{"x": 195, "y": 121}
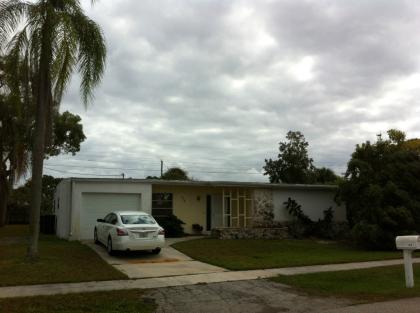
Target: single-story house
{"x": 78, "y": 202}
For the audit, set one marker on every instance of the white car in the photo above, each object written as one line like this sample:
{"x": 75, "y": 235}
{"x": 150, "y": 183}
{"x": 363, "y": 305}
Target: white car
{"x": 129, "y": 231}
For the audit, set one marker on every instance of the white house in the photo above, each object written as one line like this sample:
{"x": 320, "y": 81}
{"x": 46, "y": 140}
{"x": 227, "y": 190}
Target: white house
{"x": 80, "y": 201}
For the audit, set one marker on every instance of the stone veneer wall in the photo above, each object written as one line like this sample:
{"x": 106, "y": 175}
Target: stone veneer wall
{"x": 250, "y": 233}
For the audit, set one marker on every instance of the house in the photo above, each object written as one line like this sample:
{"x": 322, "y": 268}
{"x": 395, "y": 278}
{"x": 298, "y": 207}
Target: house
{"x": 78, "y": 202}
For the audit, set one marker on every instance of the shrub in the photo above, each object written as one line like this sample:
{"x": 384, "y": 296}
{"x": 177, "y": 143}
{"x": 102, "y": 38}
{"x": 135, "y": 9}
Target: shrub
{"x": 197, "y": 228}
{"x": 302, "y": 226}
{"x": 381, "y": 191}
{"x": 172, "y": 225}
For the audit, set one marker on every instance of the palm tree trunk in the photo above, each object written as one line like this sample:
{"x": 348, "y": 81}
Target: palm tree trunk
{"x": 36, "y": 191}
{"x": 3, "y": 185}
{"x": 4, "y": 191}
{"x": 43, "y": 102}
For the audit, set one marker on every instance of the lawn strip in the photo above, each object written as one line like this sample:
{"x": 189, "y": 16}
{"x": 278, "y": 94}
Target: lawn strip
{"x": 247, "y": 254}
{"x": 364, "y": 285}
{"x": 127, "y": 301}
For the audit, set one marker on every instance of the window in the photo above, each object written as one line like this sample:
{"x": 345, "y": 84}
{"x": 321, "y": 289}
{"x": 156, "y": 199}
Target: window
{"x": 162, "y": 204}
{"x": 113, "y": 220}
{"x": 137, "y": 219}
{"x": 107, "y": 218}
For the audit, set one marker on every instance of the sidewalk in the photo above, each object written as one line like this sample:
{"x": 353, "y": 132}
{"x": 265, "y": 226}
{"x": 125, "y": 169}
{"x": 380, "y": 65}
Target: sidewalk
{"x": 181, "y": 280}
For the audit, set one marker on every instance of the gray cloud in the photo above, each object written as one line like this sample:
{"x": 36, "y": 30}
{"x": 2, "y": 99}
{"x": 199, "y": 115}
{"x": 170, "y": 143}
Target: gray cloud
{"x": 213, "y": 86}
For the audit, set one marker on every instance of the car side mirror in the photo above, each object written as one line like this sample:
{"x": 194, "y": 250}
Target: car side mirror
{"x": 100, "y": 220}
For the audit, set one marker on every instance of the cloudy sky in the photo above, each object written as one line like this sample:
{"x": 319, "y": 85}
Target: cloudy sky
{"x": 213, "y": 86}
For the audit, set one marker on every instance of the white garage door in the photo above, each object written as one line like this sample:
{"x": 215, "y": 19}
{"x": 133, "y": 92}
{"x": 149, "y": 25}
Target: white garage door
{"x": 97, "y": 205}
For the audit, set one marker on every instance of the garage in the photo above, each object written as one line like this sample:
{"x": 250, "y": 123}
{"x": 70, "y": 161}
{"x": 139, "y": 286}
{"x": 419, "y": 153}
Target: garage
{"x": 97, "y": 205}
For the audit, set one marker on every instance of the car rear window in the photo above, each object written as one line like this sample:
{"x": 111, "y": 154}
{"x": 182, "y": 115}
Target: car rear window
{"x": 137, "y": 219}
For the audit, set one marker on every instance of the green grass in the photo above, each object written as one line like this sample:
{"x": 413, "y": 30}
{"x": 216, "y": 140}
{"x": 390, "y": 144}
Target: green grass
{"x": 259, "y": 254}
{"x": 124, "y": 301}
{"x": 366, "y": 285}
{"x": 60, "y": 261}
{"x": 14, "y": 231}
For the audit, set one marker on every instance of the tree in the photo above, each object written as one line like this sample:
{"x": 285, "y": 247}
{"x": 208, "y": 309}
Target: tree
{"x": 293, "y": 164}
{"x": 175, "y": 173}
{"x": 67, "y": 136}
{"x": 14, "y": 136}
{"x": 381, "y": 191}
{"x": 323, "y": 175}
{"x": 53, "y": 37}
{"x": 21, "y": 196}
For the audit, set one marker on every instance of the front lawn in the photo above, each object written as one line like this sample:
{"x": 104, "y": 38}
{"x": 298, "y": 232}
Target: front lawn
{"x": 248, "y": 254}
{"x": 61, "y": 261}
{"x": 127, "y": 301}
{"x": 366, "y": 285}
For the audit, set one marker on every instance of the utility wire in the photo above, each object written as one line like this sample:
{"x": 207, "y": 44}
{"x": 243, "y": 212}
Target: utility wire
{"x": 75, "y": 173}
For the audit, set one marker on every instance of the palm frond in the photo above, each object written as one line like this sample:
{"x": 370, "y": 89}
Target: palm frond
{"x": 11, "y": 14}
{"x": 91, "y": 54}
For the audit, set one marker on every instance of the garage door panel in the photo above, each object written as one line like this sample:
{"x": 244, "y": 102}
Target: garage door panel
{"x": 97, "y": 205}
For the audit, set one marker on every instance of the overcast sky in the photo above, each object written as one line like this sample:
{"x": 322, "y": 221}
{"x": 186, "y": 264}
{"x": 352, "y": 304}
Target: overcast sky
{"x": 214, "y": 86}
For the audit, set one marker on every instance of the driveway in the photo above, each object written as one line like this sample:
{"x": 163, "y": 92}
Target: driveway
{"x": 248, "y": 296}
{"x": 169, "y": 262}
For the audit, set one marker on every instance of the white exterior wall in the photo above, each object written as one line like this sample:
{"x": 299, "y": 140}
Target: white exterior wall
{"x": 62, "y": 208}
{"x": 70, "y": 195}
{"x": 313, "y": 202}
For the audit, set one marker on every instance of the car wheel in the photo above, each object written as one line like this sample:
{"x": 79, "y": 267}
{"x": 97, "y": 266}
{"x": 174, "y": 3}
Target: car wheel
{"x": 156, "y": 251}
{"x": 95, "y": 236}
{"x": 109, "y": 247}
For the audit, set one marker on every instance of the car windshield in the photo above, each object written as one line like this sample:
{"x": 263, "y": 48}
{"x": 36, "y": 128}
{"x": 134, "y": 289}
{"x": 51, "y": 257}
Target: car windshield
{"x": 137, "y": 219}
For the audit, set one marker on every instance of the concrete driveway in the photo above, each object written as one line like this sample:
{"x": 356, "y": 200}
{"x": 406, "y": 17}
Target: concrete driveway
{"x": 169, "y": 262}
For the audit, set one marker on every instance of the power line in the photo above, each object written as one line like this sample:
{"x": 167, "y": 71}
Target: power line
{"x": 75, "y": 173}
{"x": 155, "y": 170}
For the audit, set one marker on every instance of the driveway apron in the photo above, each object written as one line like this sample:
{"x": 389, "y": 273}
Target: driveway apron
{"x": 169, "y": 262}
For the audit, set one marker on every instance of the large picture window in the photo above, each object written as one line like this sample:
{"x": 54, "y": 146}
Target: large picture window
{"x": 162, "y": 204}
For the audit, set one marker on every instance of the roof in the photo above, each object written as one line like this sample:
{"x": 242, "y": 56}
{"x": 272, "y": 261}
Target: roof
{"x": 200, "y": 183}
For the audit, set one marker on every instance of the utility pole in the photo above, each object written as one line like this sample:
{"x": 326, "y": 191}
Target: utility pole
{"x": 161, "y": 168}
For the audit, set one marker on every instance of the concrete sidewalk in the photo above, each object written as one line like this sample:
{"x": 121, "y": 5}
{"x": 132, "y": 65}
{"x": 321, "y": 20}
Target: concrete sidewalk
{"x": 182, "y": 280}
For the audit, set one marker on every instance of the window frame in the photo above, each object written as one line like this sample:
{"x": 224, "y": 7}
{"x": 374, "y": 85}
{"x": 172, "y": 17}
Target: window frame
{"x": 163, "y": 208}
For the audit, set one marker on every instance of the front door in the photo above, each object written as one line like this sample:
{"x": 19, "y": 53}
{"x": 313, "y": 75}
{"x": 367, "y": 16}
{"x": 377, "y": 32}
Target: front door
{"x": 208, "y": 212}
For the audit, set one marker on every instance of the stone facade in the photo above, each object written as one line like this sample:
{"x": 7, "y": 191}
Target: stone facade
{"x": 250, "y": 233}
{"x": 263, "y": 209}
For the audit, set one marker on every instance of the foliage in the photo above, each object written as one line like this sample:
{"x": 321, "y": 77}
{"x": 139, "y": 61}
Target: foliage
{"x": 172, "y": 225}
{"x": 197, "y": 228}
{"x": 67, "y": 134}
{"x": 323, "y": 175}
{"x": 382, "y": 191}
{"x": 20, "y": 197}
{"x": 175, "y": 173}
{"x": 50, "y": 38}
{"x": 294, "y": 166}
{"x": 302, "y": 226}
{"x": 293, "y": 163}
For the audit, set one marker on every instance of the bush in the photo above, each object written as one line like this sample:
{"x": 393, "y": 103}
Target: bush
{"x": 197, "y": 228}
{"x": 302, "y": 226}
{"x": 381, "y": 192}
{"x": 172, "y": 225}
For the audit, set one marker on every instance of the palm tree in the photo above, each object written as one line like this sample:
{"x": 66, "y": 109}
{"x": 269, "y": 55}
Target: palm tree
{"x": 53, "y": 37}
